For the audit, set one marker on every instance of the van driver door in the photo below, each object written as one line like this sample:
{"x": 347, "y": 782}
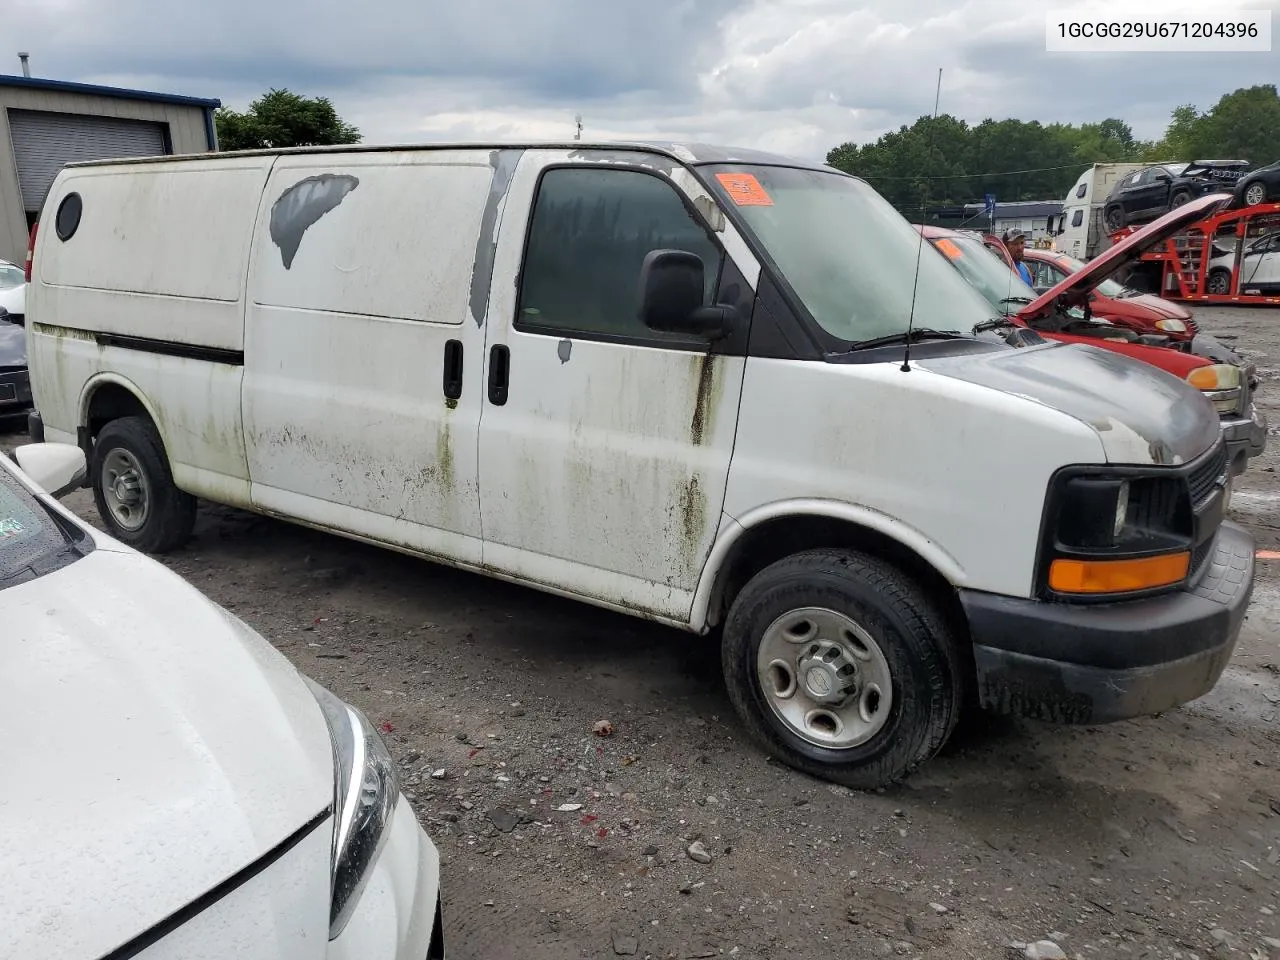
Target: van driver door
{"x": 605, "y": 445}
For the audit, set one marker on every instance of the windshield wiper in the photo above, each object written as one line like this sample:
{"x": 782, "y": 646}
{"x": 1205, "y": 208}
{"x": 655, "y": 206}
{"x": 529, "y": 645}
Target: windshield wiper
{"x": 918, "y": 334}
{"x": 995, "y": 323}
{"x": 1017, "y": 300}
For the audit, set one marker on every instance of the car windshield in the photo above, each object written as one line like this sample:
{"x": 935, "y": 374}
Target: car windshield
{"x": 31, "y": 543}
{"x": 847, "y": 254}
{"x": 1108, "y": 288}
{"x": 990, "y": 276}
{"x": 1176, "y": 169}
{"x": 11, "y": 276}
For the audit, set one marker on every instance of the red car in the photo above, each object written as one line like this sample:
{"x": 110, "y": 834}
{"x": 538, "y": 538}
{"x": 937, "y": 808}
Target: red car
{"x": 1065, "y": 313}
{"x": 1111, "y": 300}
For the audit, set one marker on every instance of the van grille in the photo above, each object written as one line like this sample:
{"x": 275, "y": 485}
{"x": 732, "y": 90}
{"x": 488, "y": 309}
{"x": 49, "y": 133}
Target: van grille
{"x": 1206, "y": 474}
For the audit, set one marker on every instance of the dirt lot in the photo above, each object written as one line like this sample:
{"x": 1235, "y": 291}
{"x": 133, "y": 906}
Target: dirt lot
{"x": 1155, "y": 838}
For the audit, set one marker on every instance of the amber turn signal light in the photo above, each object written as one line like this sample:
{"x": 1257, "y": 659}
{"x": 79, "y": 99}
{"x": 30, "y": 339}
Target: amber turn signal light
{"x": 1118, "y": 576}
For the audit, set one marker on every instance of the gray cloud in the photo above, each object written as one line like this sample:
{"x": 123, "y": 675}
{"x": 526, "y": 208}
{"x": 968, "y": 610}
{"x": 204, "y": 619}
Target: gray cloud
{"x": 793, "y": 75}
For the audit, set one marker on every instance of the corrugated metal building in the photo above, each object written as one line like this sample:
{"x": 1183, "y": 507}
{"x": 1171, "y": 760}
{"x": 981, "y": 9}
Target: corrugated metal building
{"x": 45, "y": 124}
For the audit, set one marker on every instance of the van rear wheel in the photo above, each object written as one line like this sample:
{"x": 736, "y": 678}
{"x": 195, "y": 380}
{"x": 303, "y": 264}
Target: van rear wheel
{"x": 841, "y": 667}
{"x": 134, "y": 490}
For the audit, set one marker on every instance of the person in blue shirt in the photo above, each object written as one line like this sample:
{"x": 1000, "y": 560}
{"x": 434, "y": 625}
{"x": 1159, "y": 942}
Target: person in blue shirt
{"x": 1014, "y": 241}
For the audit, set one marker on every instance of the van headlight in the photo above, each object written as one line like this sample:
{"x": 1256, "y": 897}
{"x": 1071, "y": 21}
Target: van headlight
{"x": 365, "y": 797}
{"x": 1171, "y": 325}
{"x": 1109, "y": 535}
{"x": 1220, "y": 383}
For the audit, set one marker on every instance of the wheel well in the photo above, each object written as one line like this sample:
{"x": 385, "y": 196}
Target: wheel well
{"x": 111, "y": 402}
{"x": 777, "y": 539}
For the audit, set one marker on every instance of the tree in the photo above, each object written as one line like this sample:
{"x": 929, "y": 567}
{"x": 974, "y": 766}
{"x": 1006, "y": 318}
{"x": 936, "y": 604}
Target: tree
{"x": 280, "y": 118}
{"x": 1244, "y": 125}
{"x": 945, "y": 161}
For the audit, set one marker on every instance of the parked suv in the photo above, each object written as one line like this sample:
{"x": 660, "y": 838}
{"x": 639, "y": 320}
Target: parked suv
{"x": 1146, "y": 194}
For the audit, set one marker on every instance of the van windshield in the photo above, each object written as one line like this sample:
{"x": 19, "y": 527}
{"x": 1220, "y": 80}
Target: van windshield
{"x": 991, "y": 276}
{"x": 848, "y": 255}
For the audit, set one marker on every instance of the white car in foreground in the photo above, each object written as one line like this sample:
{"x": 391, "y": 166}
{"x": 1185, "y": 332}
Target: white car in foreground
{"x": 173, "y": 788}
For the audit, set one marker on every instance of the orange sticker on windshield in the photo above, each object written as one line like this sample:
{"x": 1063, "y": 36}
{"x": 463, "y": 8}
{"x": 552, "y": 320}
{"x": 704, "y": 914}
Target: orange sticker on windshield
{"x": 949, "y": 249}
{"x": 744, "y": 189}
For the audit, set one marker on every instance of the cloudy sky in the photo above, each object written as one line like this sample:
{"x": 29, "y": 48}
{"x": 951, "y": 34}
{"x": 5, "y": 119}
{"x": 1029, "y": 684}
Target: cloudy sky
{"x": 796, "y": 76}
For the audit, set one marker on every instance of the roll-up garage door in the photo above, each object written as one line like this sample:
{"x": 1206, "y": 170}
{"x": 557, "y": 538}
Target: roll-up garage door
{"x": 43, "y": 143}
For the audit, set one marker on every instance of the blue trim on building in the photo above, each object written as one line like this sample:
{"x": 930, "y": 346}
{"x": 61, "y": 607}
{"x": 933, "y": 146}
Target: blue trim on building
{"x": 94, "y": 90}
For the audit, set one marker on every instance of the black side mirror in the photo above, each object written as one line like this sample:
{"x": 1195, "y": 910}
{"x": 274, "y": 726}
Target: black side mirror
{"x": 671, "y": 296}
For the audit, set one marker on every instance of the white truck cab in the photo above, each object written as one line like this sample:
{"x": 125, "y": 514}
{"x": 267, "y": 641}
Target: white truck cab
{"x": 665, "y": 379}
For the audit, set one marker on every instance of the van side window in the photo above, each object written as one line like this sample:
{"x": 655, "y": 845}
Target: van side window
{"x": 1077, "y": 218}
{"x": 589, "y": 234}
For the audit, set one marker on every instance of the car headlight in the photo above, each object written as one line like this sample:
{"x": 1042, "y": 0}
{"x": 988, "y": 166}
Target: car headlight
{"x": 1220, "y": 383}
{"x": 365, "y": 797}
{"x": 1171, "y": 325}
{"x": 1109, "y": 535}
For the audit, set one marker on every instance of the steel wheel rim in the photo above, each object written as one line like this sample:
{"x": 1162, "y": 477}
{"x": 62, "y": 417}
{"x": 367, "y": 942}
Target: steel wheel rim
{"x": 1255, "y": 194}
{"x": 824, "y": 678}
{"x": 125, "y": 489}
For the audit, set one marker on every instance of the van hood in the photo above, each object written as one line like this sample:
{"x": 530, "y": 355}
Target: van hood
{"x": 1127, "y": 251}
{"x": 154, "y": 746}
{"x": 1141, "y": 414}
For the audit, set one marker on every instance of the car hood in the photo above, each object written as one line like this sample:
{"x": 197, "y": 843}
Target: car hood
{"x": 13, "y": 343}
{"x": 1141, "y": 414}
{"x": 14, "y": 299}
{"x": 1201, "y": 168}
{"x": 1123, "y": 253}
{"x": 1161, "y": 308}
{"x": 153, "y": 748}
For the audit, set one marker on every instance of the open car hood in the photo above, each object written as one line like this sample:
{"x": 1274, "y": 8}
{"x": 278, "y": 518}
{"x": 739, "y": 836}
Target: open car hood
{"x": 1200, "y": 167}
{"x": 1077, "y": 286}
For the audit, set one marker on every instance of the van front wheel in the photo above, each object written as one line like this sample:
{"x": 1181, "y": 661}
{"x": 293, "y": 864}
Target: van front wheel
{"x": 134, "y": 490}
{"x": 841, "y": 667}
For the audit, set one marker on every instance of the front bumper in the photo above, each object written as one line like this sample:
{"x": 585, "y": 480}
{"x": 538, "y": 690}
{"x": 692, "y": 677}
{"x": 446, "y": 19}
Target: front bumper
{"x": 15, "y": 392}
{"x": 1098, "y": 663}
{"x": 1246, "y": 437}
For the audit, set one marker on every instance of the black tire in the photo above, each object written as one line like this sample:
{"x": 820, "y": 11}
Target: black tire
{"x": 170, "y": 514}
{"x": 925, "y": 667}
{"x": 1218, "y": 283}
{"x": 1178, "y": 198}
{"x": 1114, "y": 218}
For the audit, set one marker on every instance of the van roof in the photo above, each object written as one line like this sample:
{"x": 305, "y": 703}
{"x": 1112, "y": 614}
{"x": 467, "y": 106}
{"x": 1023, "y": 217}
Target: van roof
{"x": 687, "y": 154}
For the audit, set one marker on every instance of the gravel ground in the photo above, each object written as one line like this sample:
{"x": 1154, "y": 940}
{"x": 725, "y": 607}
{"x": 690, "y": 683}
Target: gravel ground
{"x": 1152, "y": 838}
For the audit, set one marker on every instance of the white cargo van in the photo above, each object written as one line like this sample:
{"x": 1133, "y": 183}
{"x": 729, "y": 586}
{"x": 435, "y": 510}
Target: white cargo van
{"x": 663, "y": 379}
{"x": 1083, "y": 234}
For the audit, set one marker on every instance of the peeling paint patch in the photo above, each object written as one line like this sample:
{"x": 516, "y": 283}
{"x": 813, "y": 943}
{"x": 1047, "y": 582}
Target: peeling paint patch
{"x": 504, "y": 164}
{"x": 713, "y": 214}
{"x": 564, "y": 350}
{"x": 302, "y": 205}
{"x": 631, "y": 158}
